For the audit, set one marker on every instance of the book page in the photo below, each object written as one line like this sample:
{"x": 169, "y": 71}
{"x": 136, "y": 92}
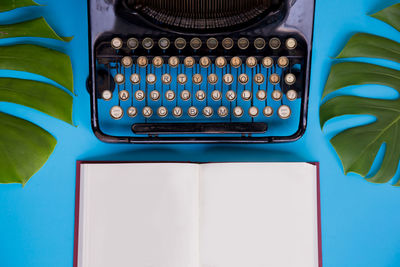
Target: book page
{"x": 258, "y": 215}
{"x": 138, "y": 215}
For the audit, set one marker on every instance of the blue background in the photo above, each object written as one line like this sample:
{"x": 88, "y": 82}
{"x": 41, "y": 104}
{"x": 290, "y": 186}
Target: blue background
{"x": 360, "y": 220}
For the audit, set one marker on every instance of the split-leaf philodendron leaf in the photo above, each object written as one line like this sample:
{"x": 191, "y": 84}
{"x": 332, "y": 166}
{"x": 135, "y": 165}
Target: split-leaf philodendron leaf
{"x": 357, "y": 147}
{"x": 7, "y": 5}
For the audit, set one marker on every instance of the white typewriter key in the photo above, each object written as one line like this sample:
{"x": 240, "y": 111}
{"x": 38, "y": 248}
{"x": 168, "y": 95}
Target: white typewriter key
{"x": 236, "y": 62}
{"x": 106, "y": 95}
{"x": 170, "y": 95}
{"x": 220, "y": 62}
{"x": 147, "y": 112}
{"x": 147, "y": 43}
{"x": 268, "y": 111}
{"x": 180, "y": 43}
{"x": 185, "y": 95}
{"x": 139, "y": 95}
{"x": 291, "y": 95}
{"x": 274, "y": 78}
{"x": 216, "y": 95}
{"x": 228, "y": 78}
{"x": 276, "y": 95}
{"x": 155, "y": 95}
{"x": 212, "y": 78}
{"x": 283, "y": 62}
{"x": 259, "y": 43}
{"x": 126, "y": 61}
{"x": 259, "y": 78}
{"x": 132, "y": 112}
{"x": 116, "y": 112}
{"x": 166, "y": 78}
{"x": 227, "y": 43}
{"x": 261, "y": 95}
{"x": 192, "y": 111}
{"x": 212, "y": 43}
{"x": 158, "y": 62}
{"x": 142, "y": 61}
{"x": 119, "y": 78}
{"x": 246, "y": 95}
{"x": 132, "y": 43}
{"x": 177, "y": 112}
{"x": 284, "y": 112}
{"x": 230, "y": 95}
{"x": 267, "y": 62}
{"x": 182, "y": 78}
{"x": 253, "y": 111}
{"x": 195, "y": 43}
{"x": 238, "y": 112}
{"x": 151, "y": 78}
{"x": 173, "y": 62}
{"x": 243, "y": 78}
{"x": 243, "y": 43}
{"x": 222, "y": 111}
{"x": 274, "y": 43}
{"x": 200, "y": 95}
{"x": 116, "y": 43}
{"x": 205, "y": 62}
{"x": 135, "y": 78}
{"x": 162, "y": 111}
{"x": 208, "y": 111}
{"x": 123, "y": 95}
{"x": 251, "y": 62}
{"x": 290, "y": 78}
{"x": 163, "y": 43}
{"x": 189, "y": 62}
{"x": 291, "y": 43}
{"x": 197, "y": 78}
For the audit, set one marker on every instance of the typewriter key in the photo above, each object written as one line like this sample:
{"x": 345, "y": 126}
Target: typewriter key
{"x": 116, "y": 43}
{"x": 185, "y": 95}
{"x": 216, "y": 95}
{"x": 163, "y": 43}
{"x": 274, "y": 78}
{"x": 127, "y": 62}
{"x": 291, "y": 43}
{"x": 276, "y": 95}
{"x": 220, "y": 62}
{"x": 261, "y": 95}
{"x": 132, "y": 43}
{"x": 227, "y": 43}
{"x": 158, "y": 62}
{"x": 166, "y": 78}
{"x": 200, "y": 95}
{"x": 192, "y": 111}
{"x": 177, "y": 112}
{"x": 284, "y": 112}
{"x": 170, "y": 95}
{"x": 236, "y": 62}
{"x": 212, "y": 43}
{"x": 243, "y": 43}
{"x": 132, "y": 112}
{"x": 142, "y": 61}
{"x": 259, "y": 78}
{"x": 283, "y": 62}
{"x": 291, "y": 95}
{"x": 106, "y": 95}
{"x": 189, "y": 62}
{"x": 238, "y": 112}
{"x": 212, "y": 79}
{"x": 116, "y": 112}
{"x": 230, "y": 95}
{"x": 135, "y": 78}
{"x": 180, "y": 43}
{"x": 253, "y": 111}
{"x": 155, "y": 95}
{"x": 151, "y": 78}
{"x": 251, "y": 62}
{"x": 123, "y": 95}
{"x": 228, "y": 78}
{"x": 195, "y": 43}
{"x": 139, "y": 95}
{"x": 119, "y": 78}
{"x": 162, "y": 111}
{"x": 290, "y": 78}
{"x": 173, "y": 62}
{"x": 243, "y": 78}
{"x": 259, "y": 43}
{"x": 267, "y": 62}
{"x": 246, "y": 95}
{"x": 147, "y": 112}
{"x": 205, "y": 62}
{"x": 274, "y": 43}
{"x": 182, "y": 78}
{"x": 268, "y": 111}
{"x": 197, "y": 78}
{"x": 208, "y": 111}
{"x": 147, "y": 43}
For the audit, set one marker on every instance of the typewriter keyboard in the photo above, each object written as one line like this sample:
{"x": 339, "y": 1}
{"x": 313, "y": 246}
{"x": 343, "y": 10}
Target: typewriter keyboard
{"x": 199, "y": 86}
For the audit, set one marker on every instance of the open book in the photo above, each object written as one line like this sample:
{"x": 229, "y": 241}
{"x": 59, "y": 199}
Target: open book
{"x": 197, "y": 215}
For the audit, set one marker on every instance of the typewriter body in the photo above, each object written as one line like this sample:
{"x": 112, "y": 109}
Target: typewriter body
{"x": 176, "y": 71}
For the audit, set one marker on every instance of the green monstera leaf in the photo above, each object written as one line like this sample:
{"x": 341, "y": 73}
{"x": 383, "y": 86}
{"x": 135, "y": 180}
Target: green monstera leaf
{"x": 7, "y": 5}
{"x": 357, "y": 147}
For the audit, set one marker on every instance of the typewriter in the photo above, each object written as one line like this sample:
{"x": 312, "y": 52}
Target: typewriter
{"x": 199, "y": 71}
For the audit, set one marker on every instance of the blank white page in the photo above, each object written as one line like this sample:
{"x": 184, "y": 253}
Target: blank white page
{"x": 258, "y": 215}
{"x": 139, "y": 215}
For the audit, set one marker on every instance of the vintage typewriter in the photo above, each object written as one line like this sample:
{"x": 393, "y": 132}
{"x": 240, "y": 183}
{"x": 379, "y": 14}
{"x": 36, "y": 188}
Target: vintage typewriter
{"x": 176, "y": 71}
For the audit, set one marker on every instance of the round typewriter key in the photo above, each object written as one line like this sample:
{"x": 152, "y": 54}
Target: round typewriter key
{"x": 267, "y": 62}
{"x": 132, "y": 112}
{"x": 127, "y": 62}
{"x": 180, "y": 43}
{"x": 283, "y": 62}
{"x": 205, "y": 62}
{"x": 106, "y": 95}
{"x": 116, "y": 112}
{"x": 158, "y": 62}
{"x": 259, "y": 78}
{"x": 116, "y": 43}
{"x": 132, "y": 43}
{"x": 291, "y": 43}
{"x": 253, "y": 111}
{"x": 192, "y": 111}
{"x": 274, "y": 43}
{"x": 274, "y": 78}
{"x": 251, "y": 62}
{"x": 135, "y": 78}
{"x": 243, "y": 78}
{"x": 185, "y": 95}
{"x": 276, "y": 95}
{"x": 147, "y": 43}
{"x": 195, "y": 43}
{"x": 261, "y": 95}
{"x": 162, "y": 111}
{"x": 291, "y": 95}
{"x": 259, "y": 43}
{"x": 230, "y": 95}
{"x": 212, "y": 78}
{"x": 189, "y": 62}
{"x": 243, "y": 43}
{"x": 284, "y": 112}
{"x": 173, "y": 62}
{"x": 236, "y": 62}
{"x": 123, "y": 95}
{"x": 170, "y": 95}
{"x": 220, "y": 62}
{"x": 142, "y": 61}
{"x": 208, "y": 111}
{"x": 238, "y": 112}
{"x": 155, "y": 95}
{"x": 197, "y": 78}
{"x": 246, "y": 95}
{"x": 200, "y": 95}
{"x": 216, "y": 95}
{"x": 222, "y": 111}
{"x": 147, "y": 112}
{"x": 163, "y": 43}
{"x": 290, "y": 78}
{"x": 182, "y": 78}
{"x": 166, "y": 78}
{"x": 212, "y": 43}
{"x": 227, "y": 43}
{"x": 151, "y": 78}
{"x": 268, "y": 111}
{"x": 139, "y": 95}
{"x": 177, "y": 112}
{"x": 228, "y": 78}
{"x": 119, "y": 78}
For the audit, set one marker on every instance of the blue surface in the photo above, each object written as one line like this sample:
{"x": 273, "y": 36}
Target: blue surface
{"x": 360, "y": 220}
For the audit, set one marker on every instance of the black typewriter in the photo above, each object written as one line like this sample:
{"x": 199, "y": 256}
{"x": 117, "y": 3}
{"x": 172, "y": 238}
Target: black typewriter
{"x": 208, "y": 71}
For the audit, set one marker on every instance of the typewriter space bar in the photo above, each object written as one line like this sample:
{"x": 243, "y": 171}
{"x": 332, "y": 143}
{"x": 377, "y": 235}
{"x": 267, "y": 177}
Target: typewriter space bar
{"x": 196, "y": 128}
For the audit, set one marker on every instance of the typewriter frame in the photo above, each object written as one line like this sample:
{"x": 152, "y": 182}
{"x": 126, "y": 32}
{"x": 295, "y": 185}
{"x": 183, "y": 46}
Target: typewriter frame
{"x": 102, "y": 10}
